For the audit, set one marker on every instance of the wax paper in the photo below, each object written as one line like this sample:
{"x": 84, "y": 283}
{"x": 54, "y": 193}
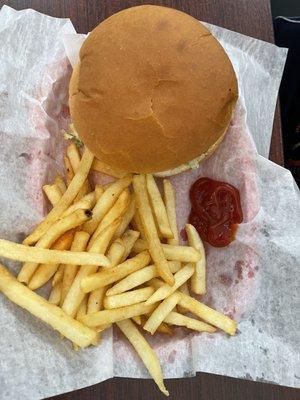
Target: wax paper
{"x": 254, "y": 280}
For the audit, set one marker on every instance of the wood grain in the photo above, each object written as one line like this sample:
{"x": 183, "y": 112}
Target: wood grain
{"x": 250, "y": 17}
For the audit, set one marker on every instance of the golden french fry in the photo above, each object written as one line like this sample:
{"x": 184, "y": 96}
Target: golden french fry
{"x": 170, "y": 203}
{"x": 42, "y": 309}
{"x": 155, "y": 248}
{"x": 75, "y": 157}
{"x": 144, "y": 350}
{"x": 106, "y": 201}
{"x": 117, "y": 210}
{"x": 86, "y": 203}
{"x": 55, "y": 294}
{"x": 95, "y": 300}
{"x": 175, "y": 318}
{"x": 20, "y": 252}
{"x": 58, "y": 181}
{"x": 53, "y": 193}
{"x": 137, "y": 224}
{"x": 128, "y": 239}
{"x": 66, "y": 199}
{"x": 183, "y": 289}
{"x": 158, "y": 207}
{"x": 128, "y": 298}
{"x": 113, "y": 274}
{"x": 198, "y": 280}
{"x": 106, "y": 169}
{"x": 55, "y": 231}
{"x": 172, "y": 253}
{"x": 160, "y": 313}
{"x": 99, "y": 190}
{"x": 58, "y": 276}
{"x": 79, "y": 244}
{"x": 69, "y": 170}
{"x": 166, "y": 290}
{"x": 117, "y": 314}
{"x": 139, "y": 277}
{"x": 44, "y": 272}
{"x": 82, "y": 308}
{"x": 116, "y": 252}
{"x": 75, "y": 294}
{"x": 126, "y": 219}
{"x": 209, "y": 315}
{"x": 137, "y": 320}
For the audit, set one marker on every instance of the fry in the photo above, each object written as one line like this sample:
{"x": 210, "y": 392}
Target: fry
{"x": 53, "y": 193}
{"x": 172, "y": 253}
{"x": 55, "y": 294}
{"x": 79, "y": 244}
{"x": 116, "y": 252}
{"x": 82, "y": 308}
{"x": 164, "y": 328}
{"x": 69, "y": 170}
{"x": 209, "y": 315}
{"x": 117, "y": 314}
{"x": 160, "y": 313}
{"x": 198, "y": 280}
{"x": 146, "y": 353}
{"x": 126, "y": 219}
{"x": 95, "y": 300}
{"x": 139, "y": 186}
{"x": 158, "y": 207}
{"x": 42, "y": 309}
{"x": 58, "y": 181}
{"x": 137, "y": 320}
{"x": 44, "y": 272}
{"x": 106, "y": 201}
{"x": 104, "y": 168}
{"x": 137, "y": 224}
{"x": 170, "y": 203}
{"x": 117, "y": 210}
{"x": 86, "y": 203}
{"x": 180, "y": 277}
{"x": 113, "y": 274}
{"x": 128, "y": 298}
{"x": 138, "y": 278}
{"x": 58, "y": 276}
{"x": 54, "y": 232}
{"x": 20, "y": 252}
{"x": 183, "y": 289}
{"x": 175, "y": 318}
{"x": 99, "y": 190}
{"x": 74, "y": 157}
{"x": 128, "y": 239}
{"x": 75, "y": 294}
{"x": 65, "y": 200}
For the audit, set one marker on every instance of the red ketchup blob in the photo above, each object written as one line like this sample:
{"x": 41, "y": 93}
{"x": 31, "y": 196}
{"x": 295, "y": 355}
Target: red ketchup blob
{"x": 216, "y": 211}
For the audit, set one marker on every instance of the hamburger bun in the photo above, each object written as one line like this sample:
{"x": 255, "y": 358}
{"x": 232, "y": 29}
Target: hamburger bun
{"x": 153, "y": 90}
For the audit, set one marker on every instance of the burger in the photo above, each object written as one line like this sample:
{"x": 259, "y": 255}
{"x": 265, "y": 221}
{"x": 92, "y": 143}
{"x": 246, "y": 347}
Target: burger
{"x": 153, "y": 91}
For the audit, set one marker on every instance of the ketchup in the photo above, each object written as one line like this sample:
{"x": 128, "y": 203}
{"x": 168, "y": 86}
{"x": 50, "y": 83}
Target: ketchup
{"x": 216, "y": 211}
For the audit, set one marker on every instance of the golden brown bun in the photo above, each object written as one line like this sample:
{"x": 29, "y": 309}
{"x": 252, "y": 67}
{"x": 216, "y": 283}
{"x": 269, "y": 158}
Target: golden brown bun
{"x": 154, "y": 90}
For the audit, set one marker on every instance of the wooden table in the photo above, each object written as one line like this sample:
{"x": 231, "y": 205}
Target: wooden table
{"x": 253, "y": 18}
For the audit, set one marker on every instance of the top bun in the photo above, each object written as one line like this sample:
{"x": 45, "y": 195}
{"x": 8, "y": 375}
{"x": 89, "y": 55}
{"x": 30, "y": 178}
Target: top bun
{"x": 153, "y": 90}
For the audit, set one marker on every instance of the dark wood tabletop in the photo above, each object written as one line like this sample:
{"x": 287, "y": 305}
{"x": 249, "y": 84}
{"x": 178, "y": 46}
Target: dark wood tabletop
{"x": 250, "y": 17}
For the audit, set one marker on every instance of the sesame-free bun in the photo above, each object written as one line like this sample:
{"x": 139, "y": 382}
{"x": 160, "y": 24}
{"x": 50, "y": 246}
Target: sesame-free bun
{"x": 153, "y": 90}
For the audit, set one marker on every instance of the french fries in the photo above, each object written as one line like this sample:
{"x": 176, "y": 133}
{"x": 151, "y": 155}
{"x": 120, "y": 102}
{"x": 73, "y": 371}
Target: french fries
{"x": 143, "y": 349}
{"x": 44, "y": 272}
{"x": 100, "y": 166}
{"x": 174, "y": 318}
{"x": 106, "y": 201}
{"x": 138, "y": 278}
{"x": 66, "y": 199}
{"x": 180, "y": 278}
{"x": 116, "y": 252}
{"x": 42, "y": 309}
{"x": 86, "y": 203}
{"x": 126, "y": 219}
{"x": 113, "y": 274}
{"x": 155, "y": 248}
{"x": 54, "y": 232}
{"x": 55, "y": 294}
{"x": 58, "y": 276}
{"x": 198, "y": 281}
{"x": 159, "y": 208}
{"x": 116, "y": 314}
{"x": 128, "y": 239}
{"x": 20, "y": 252}
{"x": 69, "y": 170}
{"x": 169, "y": 197}
{"x": 128, "y": 298}
{"x": 53, "y": 193}
{"x": 161, "y": 312}
{"x": 59, "y": 182}
{"x": 171, "y": 252}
